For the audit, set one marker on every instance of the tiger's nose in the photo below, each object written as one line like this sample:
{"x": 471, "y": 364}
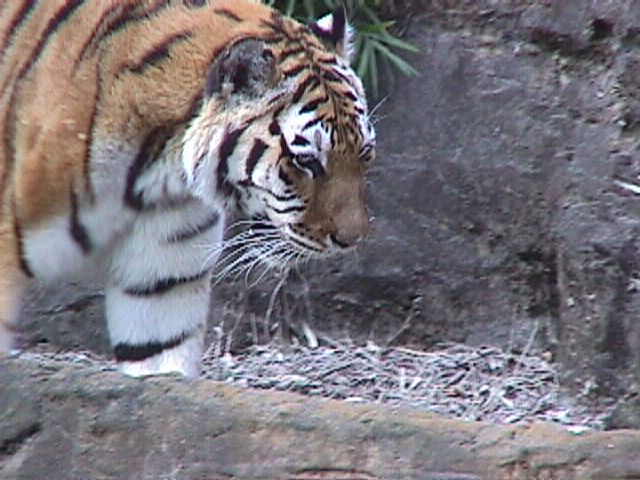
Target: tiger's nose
{"x": 352, "y": 233}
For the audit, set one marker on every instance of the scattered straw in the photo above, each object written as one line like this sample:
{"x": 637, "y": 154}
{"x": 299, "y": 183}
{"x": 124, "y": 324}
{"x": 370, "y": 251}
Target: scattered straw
{"x": 472, "y": 383}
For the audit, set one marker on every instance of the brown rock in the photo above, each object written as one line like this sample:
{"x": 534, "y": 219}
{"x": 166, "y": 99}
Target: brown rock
{"x": 82, "y": 423}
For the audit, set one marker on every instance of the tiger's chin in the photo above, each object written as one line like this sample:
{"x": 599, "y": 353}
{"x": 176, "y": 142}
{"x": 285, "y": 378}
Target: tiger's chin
{"x": 290, "y": 256}
{"x": 297, "y": 250}
{"x": 265, "y": 249}
{"x": 306, "y": 245}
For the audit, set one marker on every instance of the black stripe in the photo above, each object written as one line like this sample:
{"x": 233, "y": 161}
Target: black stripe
{"x": 327, "y": 60}
{"x": 78, "y": 231}
{"x": 59, "y": 18}
{"x": 331, "y": 76}
{"x": 195, "y": 230}
{"x": 229, "y": 142}
{"x": 196, "y": 104}
{"x": 17, "y": 233}
{"x": 228, "y": 14}
{"x": 117, "y": 18}
{"x": 258, "y": 149}
{"x": 295, "y": 70}
{"x": 313, "y": 122}
{"x": 291, "y": 51}
{"x": 294, "y": 208}
{"x": 300, "y": 141}
{"x": 227, "y": 146}
{"x": 285, "y": 197}
{"x": 276, "y": 23}
{"x": 157, "y": 53}
{"x": 305, "y": 246}
{"x": 350, "y": 95}
{"x": 9, "y": 147}
{"x": 195, "y": 3}
{"x": 201, "y": 158}
{"x": 272, "y": 39}
{"x": 268, "y": 24}
{"x": 308, "y": 82}
{"x": 162, "y": 286}
{"x": 313, "y": 104}
{"x": 284, "y": 147}
{"x": 339, "y": 74}
{"x": 16, "y": 22}
{"x": 274, "y": 126}
{"x": 139, "y": 13}
{"x": 109, "y": 19}
{"x": 136, "y": 353}
{"x": 86, "y": 163}
{"x": 277, "y": 99}
{"x": 149, "y": 152}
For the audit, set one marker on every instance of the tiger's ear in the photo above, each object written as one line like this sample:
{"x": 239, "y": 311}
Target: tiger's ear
{"x": 336, "y": 32}
{"x": 246, "y": 67}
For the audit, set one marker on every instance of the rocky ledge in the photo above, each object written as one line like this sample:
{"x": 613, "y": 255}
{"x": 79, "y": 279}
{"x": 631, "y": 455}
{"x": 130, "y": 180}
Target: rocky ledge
{"x": 60, "y": 420}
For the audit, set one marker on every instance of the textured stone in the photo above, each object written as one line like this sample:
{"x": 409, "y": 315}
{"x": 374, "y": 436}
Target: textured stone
{"x": 96, "y": 424}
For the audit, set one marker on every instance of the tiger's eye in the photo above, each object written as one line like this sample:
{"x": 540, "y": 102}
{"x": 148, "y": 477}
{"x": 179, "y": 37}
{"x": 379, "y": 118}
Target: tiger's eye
{"x": 310, "y": 164}
{"x": 367, "y": 153}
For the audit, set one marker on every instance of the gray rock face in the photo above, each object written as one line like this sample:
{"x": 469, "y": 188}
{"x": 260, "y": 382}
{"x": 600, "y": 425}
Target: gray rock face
{"x": 63, "y": 421}
{"x": 503, "y": 197}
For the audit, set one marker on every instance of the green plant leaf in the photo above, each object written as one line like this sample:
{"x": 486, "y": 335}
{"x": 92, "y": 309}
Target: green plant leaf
{"x": 375, "y": 44}
{"x": 363, "y": 59}
{"x": 399, "y": 62}
{"x": 372, "y": 77}
{"x": 396, "y": 42}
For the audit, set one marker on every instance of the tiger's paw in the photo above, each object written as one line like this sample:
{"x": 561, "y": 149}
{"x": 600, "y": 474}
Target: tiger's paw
{"x": 182, "y": 356}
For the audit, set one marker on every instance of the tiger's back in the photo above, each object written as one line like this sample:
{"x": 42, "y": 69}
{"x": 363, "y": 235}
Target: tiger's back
{"x": 110, "y": 111}
{"x": 76, "y": 74}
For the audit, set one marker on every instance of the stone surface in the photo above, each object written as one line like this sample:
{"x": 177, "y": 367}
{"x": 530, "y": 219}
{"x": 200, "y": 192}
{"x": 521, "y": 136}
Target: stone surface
{"x": 64, "y": 421}
{"x": 70, "y": 316}
{"x": 495, "y": 197}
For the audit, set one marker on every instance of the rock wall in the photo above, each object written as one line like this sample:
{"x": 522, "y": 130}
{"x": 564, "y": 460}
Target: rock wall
{"x": 502, "y": 192}
{"x": 64, "y": 421}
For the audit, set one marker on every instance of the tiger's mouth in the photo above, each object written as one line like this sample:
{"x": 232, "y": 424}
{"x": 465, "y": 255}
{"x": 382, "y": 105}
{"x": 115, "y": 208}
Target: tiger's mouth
{"x": 260, "y": 246}
{"x": 302, "y": 237}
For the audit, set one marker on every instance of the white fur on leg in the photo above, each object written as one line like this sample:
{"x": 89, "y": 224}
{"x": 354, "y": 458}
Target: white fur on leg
{"x": 136, "y": 320}
{"x": 185, "y": 359}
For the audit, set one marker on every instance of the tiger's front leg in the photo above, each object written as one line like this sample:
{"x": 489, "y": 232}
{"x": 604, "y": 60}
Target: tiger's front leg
{"x": 158, "y": 290}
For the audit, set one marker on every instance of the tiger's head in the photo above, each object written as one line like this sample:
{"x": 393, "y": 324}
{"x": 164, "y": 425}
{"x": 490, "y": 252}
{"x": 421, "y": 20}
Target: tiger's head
{"x": 284, "y": 134}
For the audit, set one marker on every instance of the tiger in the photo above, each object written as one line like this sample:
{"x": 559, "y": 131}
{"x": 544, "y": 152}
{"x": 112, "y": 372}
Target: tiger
{"x": 132, "y": 131}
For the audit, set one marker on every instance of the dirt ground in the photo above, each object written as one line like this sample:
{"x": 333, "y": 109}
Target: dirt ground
{"x": 483, "y": 383}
